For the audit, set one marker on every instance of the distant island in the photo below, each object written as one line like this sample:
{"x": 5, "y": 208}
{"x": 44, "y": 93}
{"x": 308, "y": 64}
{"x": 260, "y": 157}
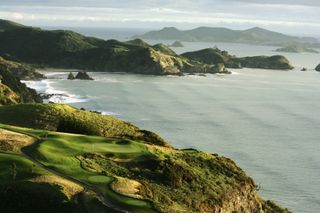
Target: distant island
{"x": 296, "y": 49}
{"x": 256, "y": 35}
{"x": 177, "y": 44}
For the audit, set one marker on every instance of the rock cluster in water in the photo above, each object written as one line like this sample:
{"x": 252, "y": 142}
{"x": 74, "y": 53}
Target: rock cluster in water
{"x": 80, "y": 76}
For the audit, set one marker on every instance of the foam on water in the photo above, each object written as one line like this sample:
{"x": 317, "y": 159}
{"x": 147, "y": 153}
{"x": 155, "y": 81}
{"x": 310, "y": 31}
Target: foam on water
{"x": 57, "y": 96}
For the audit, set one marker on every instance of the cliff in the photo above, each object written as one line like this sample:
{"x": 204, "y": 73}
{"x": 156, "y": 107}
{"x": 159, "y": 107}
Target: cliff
{"x": 122, "y": 172}
{"x": 7, "y": 96}
{"x": 266, "y": 62}
{"x": 9, "y": 75}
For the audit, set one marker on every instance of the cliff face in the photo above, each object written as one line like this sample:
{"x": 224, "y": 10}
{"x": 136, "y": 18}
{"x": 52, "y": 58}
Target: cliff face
{"x": 21, "y": 71}
{"x": 243, "y": 200}
{"x": 9, "y": 72}
{"x": 141, "y": 163}
{"x": 7, "y": 96}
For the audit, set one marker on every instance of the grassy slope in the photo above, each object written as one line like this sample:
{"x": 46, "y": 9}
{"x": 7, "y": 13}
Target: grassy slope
{"x": 59, "y": 151}
{"x": 65, "y": 118}
{"x": 18, "y": 193}
{"x": 172, "y": 179}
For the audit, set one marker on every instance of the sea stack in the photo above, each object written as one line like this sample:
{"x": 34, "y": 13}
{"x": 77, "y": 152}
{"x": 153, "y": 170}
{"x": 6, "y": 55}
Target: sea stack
{"x": 83, "y": 76}
{"x": 71, "y": 76}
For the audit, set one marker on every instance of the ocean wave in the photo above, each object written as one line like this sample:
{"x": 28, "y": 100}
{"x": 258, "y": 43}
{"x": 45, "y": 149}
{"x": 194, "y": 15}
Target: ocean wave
{"x": 53, "y": 95}
{"x": 109, "y": 113}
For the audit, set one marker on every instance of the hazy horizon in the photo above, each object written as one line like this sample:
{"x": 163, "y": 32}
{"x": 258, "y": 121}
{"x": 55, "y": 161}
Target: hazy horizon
{"x": 292, "y": 17}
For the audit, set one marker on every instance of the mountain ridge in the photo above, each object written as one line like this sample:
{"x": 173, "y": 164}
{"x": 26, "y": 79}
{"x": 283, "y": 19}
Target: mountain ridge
{"x": 220, "y": 34}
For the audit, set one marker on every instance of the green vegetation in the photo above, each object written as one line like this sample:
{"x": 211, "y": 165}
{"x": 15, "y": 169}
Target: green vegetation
{"x": 266, "y": 62}
{"x": 160, "y": 171}
{"x": 296, "y": 49}
{"x": 7, "y": 96}
{"x": 64, "y": 118}
{"x": 67, "y": 49}
{"x": 138, "y": 42}
{"x": 18, "y": 193}
{"x": 164, "y": 49}
{"x": 12, "y": 90}
{"x": 9, "y": 25}
{"x": 254, "y": 35}
{"x": 215, "y": 56}
{"x": 21, "y": 71}
{"x": 131, "y": 175}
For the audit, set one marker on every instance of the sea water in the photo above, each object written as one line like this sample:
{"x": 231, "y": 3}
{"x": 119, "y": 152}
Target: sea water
{"x": 268, "y": 121}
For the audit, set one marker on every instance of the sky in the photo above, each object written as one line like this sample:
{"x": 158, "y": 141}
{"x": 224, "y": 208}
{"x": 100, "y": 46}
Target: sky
{"x": 298, "y": 17}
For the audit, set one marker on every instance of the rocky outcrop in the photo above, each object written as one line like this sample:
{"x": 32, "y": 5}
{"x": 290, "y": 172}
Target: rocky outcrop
{"x": 71, "y": 76}
{"x": 276, "y": 62}
{"x": 7, "y": 96}
{"x": 80, "y": 76}
{"x": 318, "y": 68}
{"x": 22, "y": 71}
{"x": 83, "y": 76}
{"x": 23, "y": 94}
{"x": 164, "y": 49}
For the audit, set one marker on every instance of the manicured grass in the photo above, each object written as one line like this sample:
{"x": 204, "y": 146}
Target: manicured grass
{"x": 59, "y": 151}
{"x": 24, "y": 169}
{"x": 65, "y": 118}
{"x": 19, "y": 194}
{"x": 174, "y": 180}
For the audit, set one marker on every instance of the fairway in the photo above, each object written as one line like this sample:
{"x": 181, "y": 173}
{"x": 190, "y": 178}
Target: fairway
{"x": 59, "y": 151}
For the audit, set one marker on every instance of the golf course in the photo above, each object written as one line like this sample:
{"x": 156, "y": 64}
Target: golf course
{"x": 45, "y": 162}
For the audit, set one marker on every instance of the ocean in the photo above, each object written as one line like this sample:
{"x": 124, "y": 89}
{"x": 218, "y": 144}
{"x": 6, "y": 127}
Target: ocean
{"x": 268, "y": 121}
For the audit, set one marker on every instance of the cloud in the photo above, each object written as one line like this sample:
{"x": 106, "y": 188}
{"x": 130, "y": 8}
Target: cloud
{"x": 315, "y": 3}
{"x": 185, "y": 13}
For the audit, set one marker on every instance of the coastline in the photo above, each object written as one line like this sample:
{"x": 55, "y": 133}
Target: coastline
{"x": 51, "y": 94}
